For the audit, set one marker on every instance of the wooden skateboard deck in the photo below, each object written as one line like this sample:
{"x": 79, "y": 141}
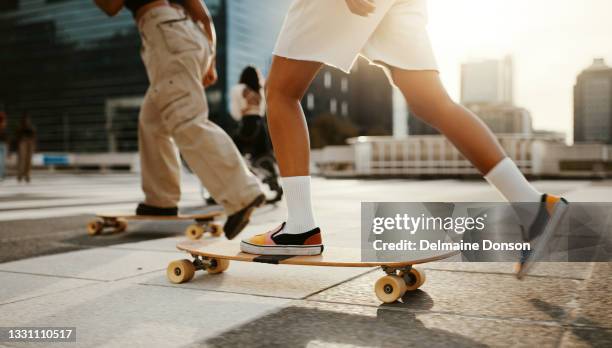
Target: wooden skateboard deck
{"x": 401, "y": 276}
{"x": 204, "y": 222}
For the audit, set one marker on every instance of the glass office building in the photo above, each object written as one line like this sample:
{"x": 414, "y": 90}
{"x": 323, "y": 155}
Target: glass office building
{"x": 79, "y": 75}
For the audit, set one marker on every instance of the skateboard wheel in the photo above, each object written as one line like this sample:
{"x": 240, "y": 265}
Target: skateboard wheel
{"x": 121, "y": 225}
{"x": 94, "y": 227}
{"x": 217, "y": 266}
{"x": 216, "y": 230}
{"x": 413, "y": 278}
{"x": 194, "y": 232}
{"x": 390, "y": 288}
{"x": 180, "y": 271}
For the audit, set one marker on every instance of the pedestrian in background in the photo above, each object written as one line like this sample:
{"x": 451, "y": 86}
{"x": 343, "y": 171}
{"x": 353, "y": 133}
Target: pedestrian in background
{"x": 2, "y": 143}
{"x": 26, "y": 142}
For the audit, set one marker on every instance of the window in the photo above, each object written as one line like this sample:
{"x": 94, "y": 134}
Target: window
{"x": 310, "y": 101}
{"x": 327, "y": 79}
{"x": 344, "y": 85}
{"x": 333, "y": 106}
{"x": 344, "y": 108}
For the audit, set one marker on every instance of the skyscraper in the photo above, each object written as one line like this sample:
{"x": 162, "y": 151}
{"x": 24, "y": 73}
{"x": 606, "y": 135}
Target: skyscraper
{"x": 487, "y": 82}
{"x": 593, "y": 104}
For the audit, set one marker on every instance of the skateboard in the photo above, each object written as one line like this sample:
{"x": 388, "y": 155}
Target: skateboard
{"x": 119, "y": 222}
{"x": 400, "y": 276}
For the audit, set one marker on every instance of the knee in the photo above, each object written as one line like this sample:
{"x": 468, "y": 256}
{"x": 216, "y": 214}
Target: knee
{"x": 277, "y": 92}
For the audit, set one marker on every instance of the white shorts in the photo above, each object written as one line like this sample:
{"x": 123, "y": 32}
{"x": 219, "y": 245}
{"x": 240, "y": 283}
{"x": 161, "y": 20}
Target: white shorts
{"x": 326, "y": 31}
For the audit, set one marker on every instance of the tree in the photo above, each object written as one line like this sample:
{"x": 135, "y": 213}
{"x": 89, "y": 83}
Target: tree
{"x": 328, "y": 129}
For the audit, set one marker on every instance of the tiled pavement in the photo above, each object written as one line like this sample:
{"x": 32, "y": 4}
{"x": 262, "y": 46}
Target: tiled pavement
{"x": 116, "y": 294}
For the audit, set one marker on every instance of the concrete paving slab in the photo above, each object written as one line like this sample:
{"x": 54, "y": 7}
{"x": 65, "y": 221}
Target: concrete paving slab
{"x": 19, "y": 287}
{"x": 594, "y": 303}
{"x": 284, "y": 281}
{"x": 94, "y": 264}
{"x": 123, "y": 314}
{"x": 569, "y": 270}
{"x": 323, "y": 324}
{"x": 475, "y": 294}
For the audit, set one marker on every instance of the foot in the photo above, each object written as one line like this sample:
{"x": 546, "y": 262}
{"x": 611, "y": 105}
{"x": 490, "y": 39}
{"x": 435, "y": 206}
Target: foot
{"x": 237, "y": 222}
{"x": 277, "y": 243}
{"x": 149, "y": 210}
{"x": 541, "y": 230}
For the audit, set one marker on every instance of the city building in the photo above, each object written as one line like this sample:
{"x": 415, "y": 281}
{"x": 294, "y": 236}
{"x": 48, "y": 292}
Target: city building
{"x": 487, "y": 82}
{"x": 79, "y": 74}
{"x": 500, "y": 118}
{"x": 504, "y": 118}
{"x": 593, "y": 104}
{"x": 537, "y": 155}
{"x": 364, "y": 97}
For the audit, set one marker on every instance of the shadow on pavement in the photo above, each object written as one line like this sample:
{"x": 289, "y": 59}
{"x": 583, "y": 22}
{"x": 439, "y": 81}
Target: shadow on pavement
{"x": 299, "y": 326}
{"x": 593, "y": 333}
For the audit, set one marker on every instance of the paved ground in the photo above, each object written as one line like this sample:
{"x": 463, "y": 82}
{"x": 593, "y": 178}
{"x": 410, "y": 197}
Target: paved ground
{"x": 113, "y": 288}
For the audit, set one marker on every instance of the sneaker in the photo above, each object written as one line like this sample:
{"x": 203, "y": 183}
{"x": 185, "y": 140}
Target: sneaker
{"x": 149, "y": 210}
{"x": 276, "y": 243}
{"x": 236, "y": 222}
{"x": 541, "y": 230}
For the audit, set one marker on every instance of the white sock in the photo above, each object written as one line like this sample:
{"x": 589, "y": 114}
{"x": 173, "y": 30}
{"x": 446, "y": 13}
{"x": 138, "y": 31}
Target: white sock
{"x": 299, "y": 208}
{"x": 511, "y": 183}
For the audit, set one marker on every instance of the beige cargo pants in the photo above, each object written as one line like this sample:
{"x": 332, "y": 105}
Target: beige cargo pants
{"x": 176, "y": 55}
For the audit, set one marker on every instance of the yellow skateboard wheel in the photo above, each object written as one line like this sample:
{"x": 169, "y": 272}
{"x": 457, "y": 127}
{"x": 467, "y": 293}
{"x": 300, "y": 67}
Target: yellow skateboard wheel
{"x": 390, "y": 288}
{"x": 180, "y": 271}
{"x": 216, "y": 230}
{"x": 95, "y": 227}
{"x": 414, "y": 278}
{"x": 121, "y": 225}
{"x": 194, "y": 232}
{"x": 217, "y": 266}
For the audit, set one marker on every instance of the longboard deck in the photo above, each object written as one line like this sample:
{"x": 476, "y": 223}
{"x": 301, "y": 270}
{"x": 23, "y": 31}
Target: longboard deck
{"x": 204, "y": 222}
{"x": 128, "y": 216}
{"x": 215, "y": 258}
{"x": 331, "y": 257}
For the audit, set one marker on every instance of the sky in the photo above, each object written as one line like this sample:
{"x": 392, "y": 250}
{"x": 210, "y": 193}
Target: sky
{"x": 551, "y": 42}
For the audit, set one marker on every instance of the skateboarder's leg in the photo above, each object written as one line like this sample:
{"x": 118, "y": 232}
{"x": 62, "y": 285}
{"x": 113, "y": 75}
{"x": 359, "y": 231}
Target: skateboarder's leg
{"x": 159, "y": 164}
{"x": 430, "y": 102}
{"x": 286, "y": 85}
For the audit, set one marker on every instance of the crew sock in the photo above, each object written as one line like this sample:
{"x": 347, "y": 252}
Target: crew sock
{"x": 511, "y": 183}
{"x": 300, "y": 217}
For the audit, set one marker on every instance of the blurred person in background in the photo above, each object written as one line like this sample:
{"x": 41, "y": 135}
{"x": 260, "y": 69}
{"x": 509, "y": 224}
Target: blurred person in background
{"x": 3, "y": 121}
{"x": 248, "y": 108}
{"x": 178, "y": 51}
{"x": 25, "y": 138}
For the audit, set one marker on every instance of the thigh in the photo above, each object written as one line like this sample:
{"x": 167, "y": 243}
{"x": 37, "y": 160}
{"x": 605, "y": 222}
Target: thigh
{"x": 291, "y": 77}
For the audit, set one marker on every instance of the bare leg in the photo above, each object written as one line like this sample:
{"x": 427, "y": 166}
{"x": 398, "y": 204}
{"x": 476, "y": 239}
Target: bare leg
{"x": 285, "y": 88}
{"x": 428, "y": 99}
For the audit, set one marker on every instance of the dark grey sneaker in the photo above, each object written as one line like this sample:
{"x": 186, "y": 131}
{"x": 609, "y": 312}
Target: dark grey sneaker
{"x": 540, "y": 232}
{"x": 149, "y": 210}
{"x": 237, "y": 222}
